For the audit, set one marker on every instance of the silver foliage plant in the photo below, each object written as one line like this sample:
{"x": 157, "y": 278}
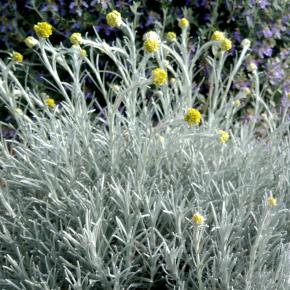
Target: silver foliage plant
{"x": 106, "y": 202}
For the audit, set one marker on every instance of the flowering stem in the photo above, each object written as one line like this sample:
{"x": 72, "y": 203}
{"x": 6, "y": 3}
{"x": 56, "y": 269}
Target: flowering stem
{"x": 233, "y": 73}
{"x": 53, "y": 72}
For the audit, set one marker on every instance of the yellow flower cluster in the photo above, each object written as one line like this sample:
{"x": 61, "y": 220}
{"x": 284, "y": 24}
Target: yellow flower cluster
{"x": 225, "y": 43}
{"x": 50, "y": 102}
{"x": 223, "y": 136}
{"x": 151, "y": 41}
{"x": 76, "y": 38}
{"x": 217, "y": 36}
{"x": 197, "y": 218}
{"x": 170, "y": 36}
{"x": 271, "y": 201}
{"x": 183, "y": 23}
{"x": 43, "y": 29}
{"x": 114, "y": 19}
{"x": 192, "y": 116}
{"x": 17, "y": 57}
{"x": 159, "y": 76}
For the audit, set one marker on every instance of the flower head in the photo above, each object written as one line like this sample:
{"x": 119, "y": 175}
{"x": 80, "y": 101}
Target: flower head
{"x": 246, "y": 43}
{"x": 246, "y": 91}
{"x": 17, "y": 57}
{"x": 151, "y": 41}
{"x": 114, "y": 19}
{"x": 271, "y": 201}
{"x": 192, "y": 116}
{"x": 159, "y": 76}
{"x": 252, "y": 67}
{"x": 83, "y": 53}
{"x": 170, "y": 36}
{"x": 183, "y": 23}
{"x": 237, "y": 103}
{"x": 218, "y": 36}
{"x": 223, "y": 136}
{"x": 50, "y": 102}
{"x": 225, "y": 44}
{"x": 30, "y": 41}
{"x": 197, "y": 218}
{"x": 76, "y": 38}
{"x": 43, "y": 29}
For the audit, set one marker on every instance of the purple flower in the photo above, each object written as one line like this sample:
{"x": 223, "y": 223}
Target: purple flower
{"x": 284, "y": 53}
{"x": 275, "y": 72}
{"x": 267, "y": 32}
{"x": 76, "y": 26}
{"x": 201, "y": 3}
{"x": 150, "y": 20}
{"x": 263, "y": 3}
{"x": 237, "y": 35}
{"x": 262, "y": 49}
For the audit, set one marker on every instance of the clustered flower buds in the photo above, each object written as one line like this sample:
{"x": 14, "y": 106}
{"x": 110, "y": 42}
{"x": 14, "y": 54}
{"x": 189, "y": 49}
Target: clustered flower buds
{"x": 114, "y": 19}
{"x": 151, "y": 41}
{"x": 49, "y": 102}
{"x": 183, "y": 23}
{"x": 17, "y": 57}
{"x": 271, "y": 201}
{"x": 225, "y": 43}
{"x": 159, "y": 76}
{"x": 43, "y": 29}
{"x": 76, "y": 38}
{"x": 192, "y": 116}
{"x": 223, "y": 136}
{"x": 171, "y": 36}
{"x": 217, "y": 36}
{"x": 197, "y": 218}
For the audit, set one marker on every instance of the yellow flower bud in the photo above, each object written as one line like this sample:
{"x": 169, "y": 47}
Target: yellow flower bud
{"x": 192, "y": 116}
{"x": 50, "y": 102}
{"x": 114, "y": 19}
{"x": 30, "y": 41}
{"x": 237, "y": 103}
{"x": 218, "y": 36}
{"x": 170, "y": 36}
{"x": 271, "y": 201}
{"x": 83, "y": 53}
{"x": 183, "y": 23}
{"x": 246, "y": 91}
{"x": 17, "y": 57}
{"x": 252, "y": 67}
{"x": 223, "y": 136}
{"x": 225, "y": 44}
{"x": 159, "y": 76}
{"x": 76, "y": 38}
{"x": 197, "y": 218}
{"x": 151, "y": 41}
